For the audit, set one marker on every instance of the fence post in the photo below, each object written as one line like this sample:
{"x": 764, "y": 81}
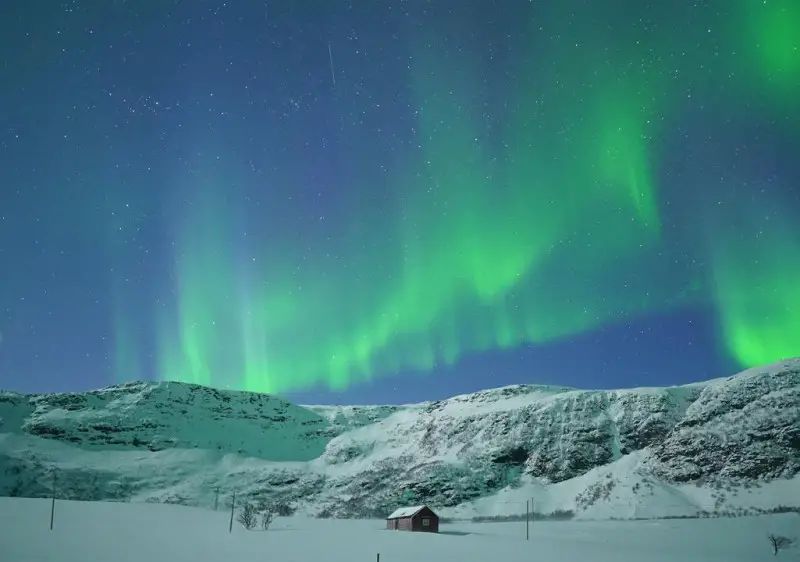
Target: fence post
{"x": 233, "y": 504}
{"x": 53, "y": 503}
{"x": 216, "y": 499}
{"x": 379, "y": 557}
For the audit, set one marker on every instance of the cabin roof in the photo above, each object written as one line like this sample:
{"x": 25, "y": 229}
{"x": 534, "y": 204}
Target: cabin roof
{"x": 406, "y": 512}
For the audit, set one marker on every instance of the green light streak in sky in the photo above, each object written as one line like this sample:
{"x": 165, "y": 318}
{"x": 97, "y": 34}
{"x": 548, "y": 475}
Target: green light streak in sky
{"x": 477, "y": 240}
{"x": 541, "y": 227}
{"x": 757, "y": 286}
{"x": 773, "y": 43}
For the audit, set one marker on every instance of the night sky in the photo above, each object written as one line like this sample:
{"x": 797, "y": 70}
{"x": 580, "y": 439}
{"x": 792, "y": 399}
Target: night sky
{"x": 390, "y": 201}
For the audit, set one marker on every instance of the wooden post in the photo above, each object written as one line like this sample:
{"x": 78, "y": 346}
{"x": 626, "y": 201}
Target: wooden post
{"x": 379, "y": 557}
{"x": 233, "y": 504}
{"x": 53, "y": 503}
{"x": 216, "y": 499}
{"x": 527, "y": 520}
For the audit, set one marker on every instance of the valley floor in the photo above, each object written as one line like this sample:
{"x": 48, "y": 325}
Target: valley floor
{"x": 122, "y": 532}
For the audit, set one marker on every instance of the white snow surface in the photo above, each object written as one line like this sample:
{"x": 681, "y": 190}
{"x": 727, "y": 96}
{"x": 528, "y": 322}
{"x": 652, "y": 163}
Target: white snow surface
{"x": 119, "y": 532}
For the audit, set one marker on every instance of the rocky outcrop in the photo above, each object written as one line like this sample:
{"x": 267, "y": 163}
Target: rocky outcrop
{"x": 743, "y": 427}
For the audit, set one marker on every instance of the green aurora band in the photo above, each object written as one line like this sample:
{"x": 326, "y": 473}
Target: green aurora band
{"x": 548, "y": 228}
{"x": 773, "y": 46}
{"x": 758, "y": 300}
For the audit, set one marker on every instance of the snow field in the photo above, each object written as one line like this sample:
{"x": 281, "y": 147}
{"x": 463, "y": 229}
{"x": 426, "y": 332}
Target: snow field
{"x": 122, "y": 532}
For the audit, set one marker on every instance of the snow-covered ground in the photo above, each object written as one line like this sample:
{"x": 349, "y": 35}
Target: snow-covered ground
{"x": 121, "y": 532}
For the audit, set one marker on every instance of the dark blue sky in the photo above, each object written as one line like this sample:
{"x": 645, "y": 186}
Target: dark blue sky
{"x": 286, "y": 196}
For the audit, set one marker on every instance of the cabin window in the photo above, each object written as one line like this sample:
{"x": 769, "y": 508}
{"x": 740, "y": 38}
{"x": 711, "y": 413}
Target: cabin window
{"x": 426, "y": 522}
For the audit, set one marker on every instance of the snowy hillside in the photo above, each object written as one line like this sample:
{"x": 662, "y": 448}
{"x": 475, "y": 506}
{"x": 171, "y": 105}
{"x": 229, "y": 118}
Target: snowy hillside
{"x": 99, "y": 532}
{"x": 170, "y": 415}
{"x": 728, "y": 445}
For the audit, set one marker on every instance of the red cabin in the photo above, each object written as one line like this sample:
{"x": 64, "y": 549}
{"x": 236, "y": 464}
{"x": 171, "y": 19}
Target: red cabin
{"x": 419, "y": 518}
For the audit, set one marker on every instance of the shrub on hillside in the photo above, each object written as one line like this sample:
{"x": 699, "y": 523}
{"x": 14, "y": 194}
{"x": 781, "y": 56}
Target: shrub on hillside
{"x": 557, "y": 515}
{"x": 248, "y": 516}
{"x": 783, "y": 509}
{"x": 176, "y": 499}
{"x": 283, "y": 509}
{"x": 598, "y": 491}
{"x": 266, "y": 519}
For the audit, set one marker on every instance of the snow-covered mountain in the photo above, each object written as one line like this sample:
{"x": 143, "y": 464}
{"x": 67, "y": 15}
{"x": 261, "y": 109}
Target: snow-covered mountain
{"x": 730, "y": 443}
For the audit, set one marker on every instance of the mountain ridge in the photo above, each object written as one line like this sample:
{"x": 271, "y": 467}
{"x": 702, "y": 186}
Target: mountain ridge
{"x": 177, "y": 442}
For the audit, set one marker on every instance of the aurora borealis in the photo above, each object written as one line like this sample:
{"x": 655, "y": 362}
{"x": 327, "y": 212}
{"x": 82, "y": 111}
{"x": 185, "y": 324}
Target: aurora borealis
{"x": 188, "y": 194}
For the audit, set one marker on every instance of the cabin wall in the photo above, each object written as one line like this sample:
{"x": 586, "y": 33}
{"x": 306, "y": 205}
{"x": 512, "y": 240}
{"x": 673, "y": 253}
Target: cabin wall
{"x": 431, "y": 527}
{"x": 420, "y": 520}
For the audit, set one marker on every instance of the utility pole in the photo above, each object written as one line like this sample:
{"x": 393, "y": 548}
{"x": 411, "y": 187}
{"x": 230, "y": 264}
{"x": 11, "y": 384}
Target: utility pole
{"x": 233, "y": 504}
{"x": 532, "y": 510}
{"x": 53, "y": 504}
{"x": 527, "y": 520}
